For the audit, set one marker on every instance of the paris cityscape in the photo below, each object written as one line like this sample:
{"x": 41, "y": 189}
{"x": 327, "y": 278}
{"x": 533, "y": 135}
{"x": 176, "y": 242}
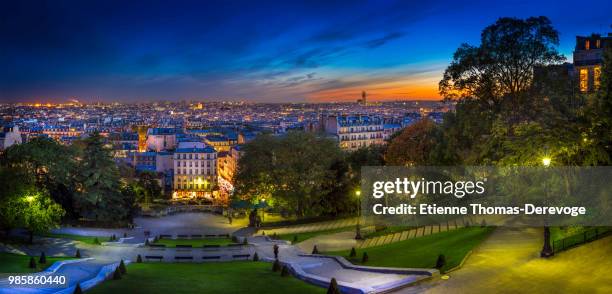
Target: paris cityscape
{"x": 203, "y": 147}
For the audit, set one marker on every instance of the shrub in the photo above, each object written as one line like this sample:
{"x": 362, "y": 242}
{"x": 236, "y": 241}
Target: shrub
{"x": 43, "y": 258}
{"x": 124, "y": 235}
{"x": 255, "y": 257}
{"x": 122, "y": 268}
{"x": 276, "y": 266}
{"x": 32, "y": 262}
{"x": 441, "y": 261}
{"x": 139, "y": 259}
{"x": 284, "y": 271}
{"x": 245, "y": 241}
{"x": 96, "y": 241}
{"x": 77, "y": 289}
{"x": 295, "y": 239}
{"x": 483, "y": 223}
{"x": 333, "y": 287}
{"x": 263, "y": 233}
{"x": 117, "y": 274}
{"x": 364, "y": 257}
{"x": 78, "y": 254}
{"x": 234, "y": 239}
{"x": 353, "y": 252}
{"x": 315, "y": 250}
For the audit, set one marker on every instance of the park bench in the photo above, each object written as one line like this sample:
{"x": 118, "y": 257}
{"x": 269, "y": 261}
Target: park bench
{"x": 182, "y": 236}
{"x": 158, "y": 257}
{"x": 158, "y": 245}
{"x": 245, "y": 256}
{"x": 196, "y": 236}
{"x": 183, "y": 258}
{"x": 210, "y": 235}
{"x": 183, "y": 246}
{"x": 211, "y": 246}
{"x": 211, "y": 257}
{"x": 165, "y": 236}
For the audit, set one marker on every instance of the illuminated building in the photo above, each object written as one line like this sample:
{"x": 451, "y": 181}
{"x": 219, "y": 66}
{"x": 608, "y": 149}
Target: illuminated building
{"x": 9, "y": 136}
{"x": 588, "y": 59}
{"x": 354, "y": 131}
{"x": 195, "y": 171}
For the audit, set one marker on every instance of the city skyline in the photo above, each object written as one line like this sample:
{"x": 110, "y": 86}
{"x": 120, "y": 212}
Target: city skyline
{"x": 257, "y": 52}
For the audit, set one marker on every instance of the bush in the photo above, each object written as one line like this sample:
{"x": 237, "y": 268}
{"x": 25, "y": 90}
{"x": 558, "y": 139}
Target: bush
{"x": 139, "y": 259}
{"x": 117, "y": 274}
{"x": 315, "y": 250}
{"x": 276, "y": 266}
{"x": 124, "y": 235}
{"x": 122, "y": 268}
{"x": 234, "y": 239}
{"x": 263, "y": 233}
{"x": 295, "y": 239}
{"x": 275, "y": 248}
{"x": 78, "y": 254}
{"x": 483, "y": 223}
{"x": 77, "y": 289}
{"x": 255, "y": 257}
{"x": 43, "y": 258}
{"x": 32, "y": 262}
{"x": 441, "y": 261}
{"x": 245, "y": 241}
{"x": 333, "y": 287}
{"x": 284, "y": 271}
{"x": 96, "y": 241}
{"x": 353, "y": 252}
{"x": 364, "y": 257}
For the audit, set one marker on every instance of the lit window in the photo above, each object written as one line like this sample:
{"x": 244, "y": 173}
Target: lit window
{"x": 584, "y": 80}
{"x": 587, "y": 45}
{"x": 597, "y": 76}
{"x": 598, "y": 43}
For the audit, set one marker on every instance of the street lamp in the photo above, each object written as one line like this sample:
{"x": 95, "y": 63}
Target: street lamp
{"x": 358, "y": 227}
{"x": 547, "y": 250}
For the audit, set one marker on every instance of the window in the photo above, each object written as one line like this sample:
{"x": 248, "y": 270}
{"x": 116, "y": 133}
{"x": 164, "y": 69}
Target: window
{"x": 597, "y": 76}
{"x": 587, "y": 45}
{"x": 584, "y": 79}
{"x": 598, "y": 43}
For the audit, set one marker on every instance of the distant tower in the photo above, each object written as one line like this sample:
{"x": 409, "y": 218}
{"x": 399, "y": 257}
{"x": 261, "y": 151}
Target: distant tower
{"x": 363, "y": 98}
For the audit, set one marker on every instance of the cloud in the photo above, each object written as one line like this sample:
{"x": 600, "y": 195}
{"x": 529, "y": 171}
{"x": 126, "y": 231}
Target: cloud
{"x": 375, "y": 43}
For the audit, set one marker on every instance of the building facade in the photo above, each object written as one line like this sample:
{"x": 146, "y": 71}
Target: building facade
{"x": 355, "y": 131}
{"x": 195, "y": 171}
{"x": 588, "y": 59}
{"x": 160, "y": 139}
{"x": 9, "y": 136}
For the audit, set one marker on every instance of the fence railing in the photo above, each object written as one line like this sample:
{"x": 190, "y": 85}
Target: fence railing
{"x": 585, "y": 236}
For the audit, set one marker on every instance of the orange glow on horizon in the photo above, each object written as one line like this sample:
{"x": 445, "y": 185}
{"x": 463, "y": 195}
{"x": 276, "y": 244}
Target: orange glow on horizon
{"x": 397, "y": 90}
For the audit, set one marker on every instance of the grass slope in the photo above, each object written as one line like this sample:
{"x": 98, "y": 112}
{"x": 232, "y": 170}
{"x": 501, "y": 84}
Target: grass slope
{"x": 307, "y": 235}
{"x": 218, "y": 277}
{"x": 423, "y": 252}
{"x": 15, "y": 263}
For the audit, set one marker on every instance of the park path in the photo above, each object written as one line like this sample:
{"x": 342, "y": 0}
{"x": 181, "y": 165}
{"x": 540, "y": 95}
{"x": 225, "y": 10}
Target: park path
{"x": 508, "y": 262}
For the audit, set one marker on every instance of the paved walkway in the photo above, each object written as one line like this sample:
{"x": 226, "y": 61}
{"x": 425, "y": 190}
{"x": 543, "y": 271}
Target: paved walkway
{"x": 315, "y": 269}
{"x": 508, "y": 262}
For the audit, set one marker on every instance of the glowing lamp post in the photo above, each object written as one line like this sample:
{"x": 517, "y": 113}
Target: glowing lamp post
{"x": 547, "y": 250}
{"x": 358, "y": 227}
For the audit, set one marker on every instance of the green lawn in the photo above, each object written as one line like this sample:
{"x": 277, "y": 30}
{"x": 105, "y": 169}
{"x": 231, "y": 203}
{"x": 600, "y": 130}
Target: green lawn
{"x": 195, "y": 242}
{"x": 218, "y": 277}
{"x": 558, "y": 233}
{"x": 84, "y": 239}
{"x": 422, "y": 252}
{"x": 15, "y": 263}
{"x": 307, "y": 235}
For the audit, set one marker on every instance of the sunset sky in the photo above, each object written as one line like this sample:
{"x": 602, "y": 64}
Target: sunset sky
{"x": 272, "y": 51}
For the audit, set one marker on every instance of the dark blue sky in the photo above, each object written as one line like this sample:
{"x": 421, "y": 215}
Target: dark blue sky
{"x": 252, "y": 50}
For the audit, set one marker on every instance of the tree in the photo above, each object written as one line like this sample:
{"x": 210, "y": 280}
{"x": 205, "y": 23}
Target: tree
{"x": 501, "y": 69}
{"x": 365, "y": 257}
{"x": 117, "y": 274}
{"x": 415, "y": 145}
{"x": 122, "y": 268}
{"x": 292, "y": 172}
{"x": 276, "y": 266}
{"x": 77, "y": 289}
{"x": 255, "y": 257}
{"x": 99, "y": 192}
{"x": 441, "y": 261}
{"x": 47, "y": 165}
{"x": 333, "y": 287}
{"x": 38, "y": 213}
{"x": 148, "y": 183}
